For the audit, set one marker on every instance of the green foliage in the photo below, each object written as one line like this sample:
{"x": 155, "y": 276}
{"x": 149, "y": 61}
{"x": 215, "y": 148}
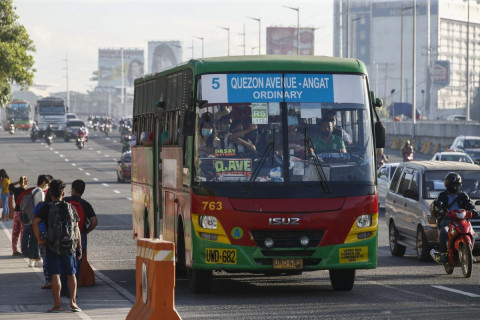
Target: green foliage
{"x": 15, "y": 47}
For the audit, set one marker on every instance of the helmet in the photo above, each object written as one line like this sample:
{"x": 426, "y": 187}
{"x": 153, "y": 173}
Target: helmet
{"x": 453, "y": 182}
{"x": 407, "y": 143}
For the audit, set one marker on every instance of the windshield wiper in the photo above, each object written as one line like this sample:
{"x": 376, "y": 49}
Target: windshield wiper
{"x": 263, "y": 160}
{"x": 318, "y": 166}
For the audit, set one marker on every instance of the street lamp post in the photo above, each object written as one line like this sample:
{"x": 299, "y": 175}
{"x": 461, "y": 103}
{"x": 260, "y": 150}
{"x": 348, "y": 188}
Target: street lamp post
{"x": 467, "y": 113}
{"x": 201, "y": 38}
{"x": 352, "y": 36}
{"x": 228, "y": 38}
{"x": 393, "y": 109}
{"x": 259, "y": 32}
{"x": 298, "y": 26}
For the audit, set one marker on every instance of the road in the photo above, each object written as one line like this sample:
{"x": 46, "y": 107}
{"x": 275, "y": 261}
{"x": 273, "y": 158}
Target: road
{"x": 400, "y": 288}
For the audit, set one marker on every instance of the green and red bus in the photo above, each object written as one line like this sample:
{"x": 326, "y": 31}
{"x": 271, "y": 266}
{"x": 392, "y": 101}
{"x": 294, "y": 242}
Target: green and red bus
{"x": 19, "y": 111}
{"x": 235, "y": 173}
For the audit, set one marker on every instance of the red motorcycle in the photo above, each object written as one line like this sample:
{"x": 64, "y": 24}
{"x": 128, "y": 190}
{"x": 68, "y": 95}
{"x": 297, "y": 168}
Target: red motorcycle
{"x": 460, "y": 242}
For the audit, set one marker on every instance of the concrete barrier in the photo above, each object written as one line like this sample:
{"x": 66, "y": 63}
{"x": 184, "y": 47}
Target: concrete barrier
{"x": 155, "y": 281}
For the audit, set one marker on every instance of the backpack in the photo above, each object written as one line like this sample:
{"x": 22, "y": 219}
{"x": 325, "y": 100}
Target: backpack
{"x": 26, "y": 207}
{"x": 80, "y": 212}
{"x": 62, "y": 228}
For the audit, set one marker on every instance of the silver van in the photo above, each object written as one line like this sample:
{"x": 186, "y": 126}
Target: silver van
{"x": 413, "y": 188}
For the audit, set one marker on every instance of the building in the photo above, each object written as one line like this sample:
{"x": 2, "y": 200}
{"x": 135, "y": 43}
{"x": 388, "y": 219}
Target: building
{"x": 447, "y": 42}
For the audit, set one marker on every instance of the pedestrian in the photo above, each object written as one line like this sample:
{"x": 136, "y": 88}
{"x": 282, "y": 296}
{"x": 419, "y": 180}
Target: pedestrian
{"x": 5, "y": 185}
{"x": 17, "y": 228}
{"x": 88, "y": 218}
{"x": 61, "y": 258}
{"x": 30, "y": 245}
{"x": 43, "y": 236}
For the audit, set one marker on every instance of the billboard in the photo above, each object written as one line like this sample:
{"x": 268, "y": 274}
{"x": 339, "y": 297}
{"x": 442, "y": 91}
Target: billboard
{"x": 441, "y": 73}
{"x": 163, "y": 55}
{"x": 284, "y": 41}
{"x": 110, "y": 67}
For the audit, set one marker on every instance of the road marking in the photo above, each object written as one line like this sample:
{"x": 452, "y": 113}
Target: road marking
{"x": 90, "y": 148}
{"x": 95, "y": 179}
{"x": 107, "y": 156}
{"x": 104, "y": 184}
{"x": 74, "y": 164}
{"x": 116, "y": 191}
{"x": 87, "y": 173}
{"x": 66, "y": 160}
{"x": 98, "y": 151}
{"x": 473, "y": 295}
{"x": 128, "y": 198}
{"x": 61, "y": 155}
{"x": 56, "y": 152}
{"x": 81, "y": 169}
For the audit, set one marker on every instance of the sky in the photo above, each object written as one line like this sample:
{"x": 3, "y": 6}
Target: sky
{"x": 68, "y": 33}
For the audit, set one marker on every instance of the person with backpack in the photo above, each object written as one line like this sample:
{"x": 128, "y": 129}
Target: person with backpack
{"x": 88, "y": 218}
{"x": 63, "y": 243}
{"x": 29, "y": 199}
{"x": 43, "y": 235}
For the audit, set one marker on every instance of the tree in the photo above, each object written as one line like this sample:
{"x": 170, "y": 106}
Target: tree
{"x": 16, "y": 61}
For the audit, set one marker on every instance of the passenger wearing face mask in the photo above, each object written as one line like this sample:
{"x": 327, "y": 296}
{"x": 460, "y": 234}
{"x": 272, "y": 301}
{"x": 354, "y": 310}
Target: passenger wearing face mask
{"x": 208, "y": 137}
{"x": 325, "y": 141}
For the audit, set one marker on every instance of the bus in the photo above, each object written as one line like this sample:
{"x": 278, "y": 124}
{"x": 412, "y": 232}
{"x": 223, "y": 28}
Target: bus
{"x": 51, "y": 111}
{"x": 19, "y": 110}
{"x": 235, "y": 173}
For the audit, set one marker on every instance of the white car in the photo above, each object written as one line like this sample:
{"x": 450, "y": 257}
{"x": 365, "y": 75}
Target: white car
{"x": 384, "y": 176}
{"x": 452, "y": 156}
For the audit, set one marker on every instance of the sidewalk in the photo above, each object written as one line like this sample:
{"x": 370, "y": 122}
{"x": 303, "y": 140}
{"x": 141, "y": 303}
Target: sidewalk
{"x": 22, "y": 298}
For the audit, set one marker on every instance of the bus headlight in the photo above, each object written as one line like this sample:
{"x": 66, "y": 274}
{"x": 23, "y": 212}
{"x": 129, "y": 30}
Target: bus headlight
{"x": 364, "y": 221}
{"x": 207, "y": 222}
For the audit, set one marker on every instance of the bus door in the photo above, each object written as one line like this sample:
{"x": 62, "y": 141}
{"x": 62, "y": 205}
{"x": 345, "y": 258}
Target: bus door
{"x": 172, "y": 165}
{"x": 158, "y": 205}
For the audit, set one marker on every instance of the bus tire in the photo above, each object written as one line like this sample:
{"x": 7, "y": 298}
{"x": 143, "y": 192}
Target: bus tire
{"x": 180, "y": 263}
{"x": 342, "y": 279}
{"x": 199, "y": 280}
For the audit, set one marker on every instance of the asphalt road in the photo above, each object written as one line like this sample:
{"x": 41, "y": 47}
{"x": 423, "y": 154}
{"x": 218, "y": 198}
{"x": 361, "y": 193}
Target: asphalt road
{"x": 400, "y": 288}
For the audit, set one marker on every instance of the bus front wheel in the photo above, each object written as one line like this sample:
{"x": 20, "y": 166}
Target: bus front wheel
{"x": 342, "y": 279}
{"x": 199, "y": 280}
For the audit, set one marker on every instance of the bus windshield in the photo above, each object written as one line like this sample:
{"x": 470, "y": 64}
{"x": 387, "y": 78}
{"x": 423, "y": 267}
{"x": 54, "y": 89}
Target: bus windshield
{"x": 284, "y": 128}
{"x": 19, "y": 111}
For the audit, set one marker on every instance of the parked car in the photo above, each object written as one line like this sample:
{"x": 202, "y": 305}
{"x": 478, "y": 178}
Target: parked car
{"x": 413, "y": 188}
{"x": 71, "y": 129}
{"x": 124, "y": 167}
{"x": 384, "y": 176}
{"x": 456, "y": 117}
{"x": 468, "y": 144}
{"x": 452, "y": 156}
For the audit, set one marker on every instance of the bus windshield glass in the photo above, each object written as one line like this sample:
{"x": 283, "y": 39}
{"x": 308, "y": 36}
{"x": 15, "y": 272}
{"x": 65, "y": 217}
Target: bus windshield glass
{"x": 284, "y": 128}
{"x": 51, "y": 110}
{"x": 19, "y": 111}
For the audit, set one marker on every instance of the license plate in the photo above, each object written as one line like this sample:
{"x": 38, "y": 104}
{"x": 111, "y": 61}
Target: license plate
{"x": 220, "y": 256}
{"x": 288, "y": 263}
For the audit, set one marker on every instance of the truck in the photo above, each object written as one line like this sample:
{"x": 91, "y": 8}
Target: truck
{"x": 50, "y": 111}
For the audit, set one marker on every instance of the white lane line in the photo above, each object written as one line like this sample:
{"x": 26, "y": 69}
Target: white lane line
{"x": 61, "y": 155}
{"x": 90, "y": 148}
{"x": 116, "y": 191}
{"x": 81, "y": 169}
{"x": 98, "y": 151}
{"x": 51, "y": 149}
{"x": 87, "y": 173}
{"x": 104, "y": 184}
{"x": 106, "y": 156}
{"x": 74, "y": 164}
{"x": 66, "y": 160}
{"x": 473, "y": 295}
{"x": 128, "y": 198}
{"x": 56, "y": 152}
{"x": 95, "y": 179}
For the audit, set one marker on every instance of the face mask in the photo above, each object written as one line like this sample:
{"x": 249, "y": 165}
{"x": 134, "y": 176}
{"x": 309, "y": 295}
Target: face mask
{"x": 207, "y": 132}
{"x": 325, "y": 133}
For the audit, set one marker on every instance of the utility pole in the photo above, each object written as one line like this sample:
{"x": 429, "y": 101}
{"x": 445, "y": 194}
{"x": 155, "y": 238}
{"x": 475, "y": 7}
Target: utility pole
{"x": 68, "y": 92}
{"x": 243, "y": 34}
{"x": 228, "y": 38}
{"x": 259, "y": 33}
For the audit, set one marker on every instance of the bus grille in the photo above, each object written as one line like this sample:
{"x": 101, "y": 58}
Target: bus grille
{"x": 269, "y": 261}
{"x": 287, "y": 238}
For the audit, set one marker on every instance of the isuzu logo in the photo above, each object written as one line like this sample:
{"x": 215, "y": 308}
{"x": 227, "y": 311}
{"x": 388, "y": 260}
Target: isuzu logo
{"x": 284, "y": 221}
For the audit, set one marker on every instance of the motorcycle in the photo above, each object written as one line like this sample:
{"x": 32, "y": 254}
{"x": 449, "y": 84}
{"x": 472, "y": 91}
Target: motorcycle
{"x": 460, "y": 243}
{"x": 11, "y": 129}
{"x": 49, "y": 138}
{"x": 107, "y": 128}
{"x": 80, "y": 140}
{"x": 95, "y": 126}
{"x": 34, "y": 135}
{"x": 407, "y": 155}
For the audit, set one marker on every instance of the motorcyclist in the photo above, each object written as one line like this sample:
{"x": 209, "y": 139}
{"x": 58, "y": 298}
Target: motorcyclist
{"x": 407, "y": 150}
{"x": 449, "y": 200}
{"x": 81, "y": 133}
{"x": 34, "y": 132}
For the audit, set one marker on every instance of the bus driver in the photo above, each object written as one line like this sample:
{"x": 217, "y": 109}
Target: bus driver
{"x": 325, "y": 141}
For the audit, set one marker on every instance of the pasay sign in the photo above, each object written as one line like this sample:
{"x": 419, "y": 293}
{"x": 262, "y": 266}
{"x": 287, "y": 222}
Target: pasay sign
{"x": 236, "y": 88}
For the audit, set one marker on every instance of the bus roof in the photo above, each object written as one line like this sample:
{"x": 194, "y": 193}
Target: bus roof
{"x": 268, "y": 63}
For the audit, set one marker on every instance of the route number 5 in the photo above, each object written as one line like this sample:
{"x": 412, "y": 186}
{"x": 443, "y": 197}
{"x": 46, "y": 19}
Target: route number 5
{"x": 215, "y": 83}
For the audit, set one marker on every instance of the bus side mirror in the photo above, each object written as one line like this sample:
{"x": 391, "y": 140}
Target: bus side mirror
{"x": 378, "y": 103}
{"x": 380, "y": 134}
{"x": 189, "y": 123}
